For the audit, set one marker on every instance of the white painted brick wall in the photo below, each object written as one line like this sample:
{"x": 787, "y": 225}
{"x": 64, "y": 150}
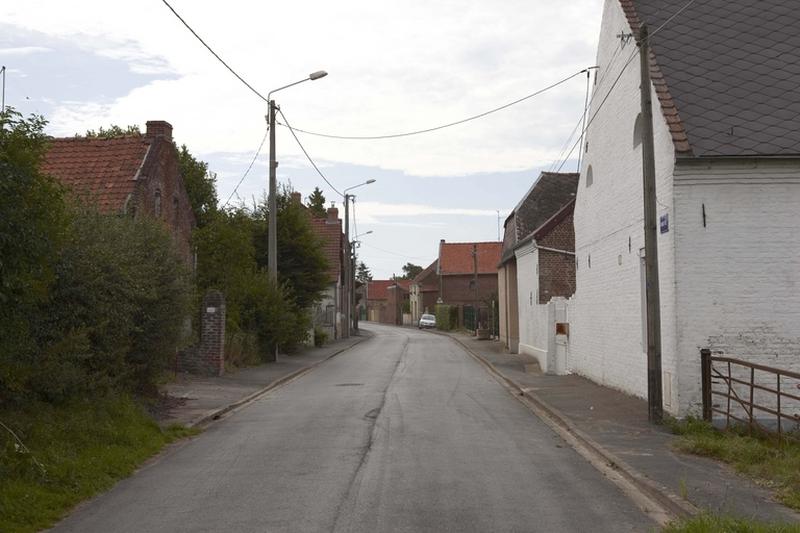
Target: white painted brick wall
{"x": 738, "y": 287}
{"x": 533, "y": 322}
{"x": 606, "y": 312}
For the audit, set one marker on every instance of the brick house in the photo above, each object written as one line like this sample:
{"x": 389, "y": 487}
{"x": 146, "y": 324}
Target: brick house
{"x": 727, "y": 157}
{"x": 134, "y": 175}
{"x": 548, "y": 195}
{"x": 460, "y": 265}
{"x": 386, "y": 300}
{"x": 329, "y": 312}
{"x": 423, "y": 292}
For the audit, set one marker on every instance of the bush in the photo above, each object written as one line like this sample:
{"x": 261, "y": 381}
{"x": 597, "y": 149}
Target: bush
{"x": 87, "y": 302}
{"x": 446, "y": 317}
{"x": 320, "y": 337}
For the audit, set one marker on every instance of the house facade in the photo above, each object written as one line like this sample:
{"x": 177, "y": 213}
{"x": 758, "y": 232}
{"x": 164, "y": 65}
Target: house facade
{"x": 727, "y": 156}
{"x": 329, "y": 312}
{"x": 133, "y": 175}
{"x": 467, "y": 273}
{"x": 423, "y": 292}
{"x": 550, "y": 193}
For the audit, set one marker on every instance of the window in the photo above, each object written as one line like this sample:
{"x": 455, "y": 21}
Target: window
{"x": 157, "y": 204}
{"x": 589, "y": 176}
{"x": 637, "y": 131}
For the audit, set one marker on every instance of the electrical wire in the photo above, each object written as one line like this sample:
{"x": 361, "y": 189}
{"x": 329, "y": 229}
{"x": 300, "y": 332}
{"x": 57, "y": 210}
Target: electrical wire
{"x": 246, "y": 172}
{"x": 442, "y": 126}
{"x": 313, "y": 164}
{"x": 621, "y": 72}
{"x": 241, "y": 79}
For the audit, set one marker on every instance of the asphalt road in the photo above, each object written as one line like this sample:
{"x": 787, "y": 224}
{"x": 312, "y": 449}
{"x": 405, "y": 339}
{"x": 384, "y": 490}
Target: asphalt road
{"x": 405, "y": 432}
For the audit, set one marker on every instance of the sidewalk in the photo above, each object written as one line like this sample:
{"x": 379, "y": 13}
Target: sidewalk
{"x": 616, "y": 425}
{"x": 194, "y": 400}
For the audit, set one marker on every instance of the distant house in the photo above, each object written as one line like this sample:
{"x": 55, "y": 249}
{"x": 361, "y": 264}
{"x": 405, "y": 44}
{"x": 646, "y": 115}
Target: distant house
{"x": 467, "y": 273}
{"x": 423, "y": 292}
{"x": 134, "y": 175}
{"x": 387, "y": 300}
{"x": 329, "y": 314}
{"x": 548, "y": 195}
{"x": 727, "y": 157}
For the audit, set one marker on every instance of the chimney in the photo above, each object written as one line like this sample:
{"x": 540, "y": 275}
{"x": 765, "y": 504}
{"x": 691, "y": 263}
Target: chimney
{"x": 297, "y": 198}
{"x": 159, "y": 128}
{"x": 333, "y": 215}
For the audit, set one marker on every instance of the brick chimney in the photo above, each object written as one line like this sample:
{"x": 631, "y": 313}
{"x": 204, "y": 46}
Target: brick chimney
{"x": 159, "y": 128}
{"x": 333, "y": 216}
{"x": 297, "y": 198}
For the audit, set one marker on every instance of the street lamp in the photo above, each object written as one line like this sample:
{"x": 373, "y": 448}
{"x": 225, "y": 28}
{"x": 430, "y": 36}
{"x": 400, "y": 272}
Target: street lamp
{"x": 350, "y": 276}
{"x": 355, "y": 242}
{"x": 272, "y": 232}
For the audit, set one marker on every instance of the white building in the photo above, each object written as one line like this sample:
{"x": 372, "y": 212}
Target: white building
{"x": 727, "y": 154}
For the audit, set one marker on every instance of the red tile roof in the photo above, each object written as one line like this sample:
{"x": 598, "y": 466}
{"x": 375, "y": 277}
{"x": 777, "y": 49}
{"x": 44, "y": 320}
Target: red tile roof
{"x": 333, "y": 240}
{"x": 456, "y": 257}
{"x": 102, "y": 170}
{"x": 377, "y": 289}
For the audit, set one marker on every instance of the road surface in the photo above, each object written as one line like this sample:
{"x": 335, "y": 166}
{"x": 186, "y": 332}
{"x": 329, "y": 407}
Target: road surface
{"x": 404, "y": 432}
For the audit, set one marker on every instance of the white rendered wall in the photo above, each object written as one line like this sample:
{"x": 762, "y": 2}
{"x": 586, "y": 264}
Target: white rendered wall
{"x": 533, "y": 320}
{"x": 738, "y": 287}
{"x": 605, "y": 314}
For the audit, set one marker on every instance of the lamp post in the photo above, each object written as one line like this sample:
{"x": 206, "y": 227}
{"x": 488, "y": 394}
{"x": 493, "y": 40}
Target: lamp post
{"x": 349, "y": 275}
{"x": 353, "y": 245}
{"x": 272, "y": 232}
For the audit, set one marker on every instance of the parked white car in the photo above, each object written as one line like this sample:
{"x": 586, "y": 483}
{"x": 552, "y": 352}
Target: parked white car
{"x": 427, "y": 321}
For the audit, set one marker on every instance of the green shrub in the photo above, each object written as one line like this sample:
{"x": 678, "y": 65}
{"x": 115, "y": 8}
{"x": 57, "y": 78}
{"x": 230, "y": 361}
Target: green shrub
{"x": 320, "y": 337}
{"x": 445, "y": 320}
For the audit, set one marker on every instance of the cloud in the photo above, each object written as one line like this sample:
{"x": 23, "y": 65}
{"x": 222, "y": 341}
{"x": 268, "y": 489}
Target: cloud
{"x": 416, "y": 71}
{"x": 373, "y": 212}
{"x": 23, "y": 50}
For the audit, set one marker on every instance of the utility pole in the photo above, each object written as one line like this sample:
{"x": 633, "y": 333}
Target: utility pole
{"x": 3, "y": 72}
{"x": 475, "y": 286}
{"x": 353, "y": 284}
{"x": 272, "y": 230}
{"x": 347, "y": 284}
{"x": 654, "y": 386}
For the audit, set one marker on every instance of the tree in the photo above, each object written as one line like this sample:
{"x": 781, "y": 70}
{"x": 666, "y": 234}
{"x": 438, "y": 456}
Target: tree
{"x": 316, "y": 203}
{"x": 201, "y": 186}
{"x": 410, "y": 271}
{"x": 32, "y": 215}
{"x": 113, "y": 131}
{"x": 363, "y": 273}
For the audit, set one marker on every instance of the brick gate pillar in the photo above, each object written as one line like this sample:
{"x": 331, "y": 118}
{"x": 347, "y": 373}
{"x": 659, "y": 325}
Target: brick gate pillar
{"x": 211, "y": 360}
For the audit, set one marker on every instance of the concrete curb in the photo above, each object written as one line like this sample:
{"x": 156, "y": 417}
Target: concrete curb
{"x": 651, "y": 494}
{"x": 216, "y": 414}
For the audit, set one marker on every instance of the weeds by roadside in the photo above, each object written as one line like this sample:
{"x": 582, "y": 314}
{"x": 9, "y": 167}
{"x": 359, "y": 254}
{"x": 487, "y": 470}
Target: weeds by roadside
{"x": 777, "y": 467}
{"x": 706, "y": 523}
{"x": 61, "y": 455}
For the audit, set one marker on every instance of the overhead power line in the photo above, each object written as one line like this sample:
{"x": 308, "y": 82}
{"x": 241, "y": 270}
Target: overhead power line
{"x": 246, "y": 172}
{"x": 313, "y": 164}
{"x": 227, "y": 66}
{"x": 619, "y": 76}
{"x": 443, "y": 126}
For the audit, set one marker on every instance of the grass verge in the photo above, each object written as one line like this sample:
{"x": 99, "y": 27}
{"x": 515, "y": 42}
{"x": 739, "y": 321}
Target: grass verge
{"x": 777, "y": 467}
{"x": 62, "y": 455}
{"x": 707, "y": 523}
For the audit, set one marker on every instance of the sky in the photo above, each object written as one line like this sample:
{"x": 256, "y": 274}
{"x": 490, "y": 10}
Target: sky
{"x": 394, "y": 66}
